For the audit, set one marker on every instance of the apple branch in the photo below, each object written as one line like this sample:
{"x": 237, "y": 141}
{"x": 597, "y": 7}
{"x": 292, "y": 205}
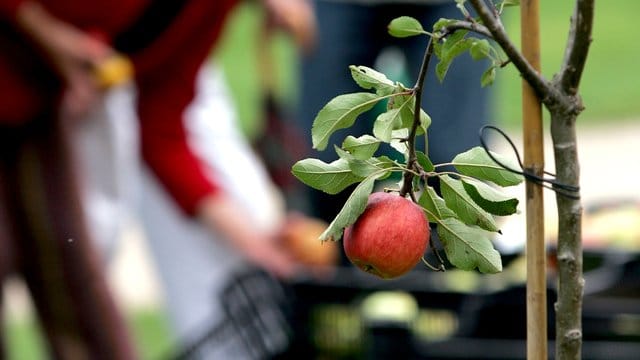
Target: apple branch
{"x": 577, "y": 46}
{"x": 467, "y": 25}
{"x": 547, "y": 93}
{"x": 407, "y": 184}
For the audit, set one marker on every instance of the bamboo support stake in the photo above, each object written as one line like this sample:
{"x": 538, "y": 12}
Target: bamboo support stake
{"x": 534, "y": 162}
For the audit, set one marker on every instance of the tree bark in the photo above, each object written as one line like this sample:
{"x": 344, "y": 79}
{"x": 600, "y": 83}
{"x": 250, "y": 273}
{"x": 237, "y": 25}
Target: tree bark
{"x": 569, "y": 246}
{"x": 561, "y": 98}
{"x": 563, "y": 134}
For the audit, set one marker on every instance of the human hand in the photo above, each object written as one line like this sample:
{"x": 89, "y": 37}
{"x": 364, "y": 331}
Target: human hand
{"x": 300, "y": 237}
{"x": 73, "y": 53}
{"x": 267, "y": 254}
{"x": 222, "y": 214}
{"x": 295, "y": 16}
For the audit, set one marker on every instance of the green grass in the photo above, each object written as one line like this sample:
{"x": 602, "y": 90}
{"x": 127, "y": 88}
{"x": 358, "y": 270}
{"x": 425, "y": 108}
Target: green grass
{"x": 149, "y": 328}
{"x": 23, "y": 340}
{"x": 152, "y": 333}
{"x": 609, "y": 87}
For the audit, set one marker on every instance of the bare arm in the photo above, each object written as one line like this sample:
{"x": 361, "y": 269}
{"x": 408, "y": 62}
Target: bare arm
{"x": 72, "y": 53}
{"x": 295, "y": 16}
{"x": 220, "y": 213}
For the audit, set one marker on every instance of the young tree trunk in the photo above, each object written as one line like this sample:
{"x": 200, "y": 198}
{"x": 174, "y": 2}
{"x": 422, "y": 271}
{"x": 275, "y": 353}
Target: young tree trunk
{"x": 569, "y": 245}
{"x": 561, "y": 98}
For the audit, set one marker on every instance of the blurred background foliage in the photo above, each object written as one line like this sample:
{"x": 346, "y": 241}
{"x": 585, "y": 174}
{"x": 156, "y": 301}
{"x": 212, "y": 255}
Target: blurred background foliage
{"x": 609, "y": 86}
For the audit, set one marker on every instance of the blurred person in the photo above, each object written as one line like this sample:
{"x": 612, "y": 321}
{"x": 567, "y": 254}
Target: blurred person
{"x": 354, "y": 32}
{"x": 196, "y": 260}
{"x": 208, "y": 208}
{"x": 48, "y": 78}
{"x": 49, "y": 51}
{"x": 167, "y": 67}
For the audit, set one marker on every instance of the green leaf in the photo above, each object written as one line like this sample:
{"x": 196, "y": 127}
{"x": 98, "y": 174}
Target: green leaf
{"x": 362, "y": 147}
{"x": 368, "y": 78}
{"x": 480, "y": 49}
{"x": 446, "y": 43}
{"x": 463, "y": 205}
{"x": 365, "y": 168}
{"x": 343, "y": 154}
{"x": 407, "y": 105}
{"x": 405, "y": 26}
{"x": 425, "y": 121}
{"x": 340, "y": 113}
{"x": 453, "y": 47}
{"x": 442, "y": 23}
{"x": 331, "y": 178}
{"x": 385, "y": 123}
{"x": 424, "y": 161}
{"x": 489, "y": 198}
{"x": 435, "y": 205}
{"x": 488, "y": 76}
{"x": 398, "y": 141}
{"x": 352, "y": 209}
{"x": 468, "y": 247}
{"x": 510, "y": 3}
{"x": 476, "y": 163}
{"x": 450, "y": 41}
{"x": 408, "y": 112}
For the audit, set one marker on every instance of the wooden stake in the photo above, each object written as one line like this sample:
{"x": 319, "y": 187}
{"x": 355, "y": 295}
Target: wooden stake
{"x": 534, "y": 162}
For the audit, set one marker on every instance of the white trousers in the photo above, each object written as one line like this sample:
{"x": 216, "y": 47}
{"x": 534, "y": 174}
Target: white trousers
{"x": 107, "y": 151}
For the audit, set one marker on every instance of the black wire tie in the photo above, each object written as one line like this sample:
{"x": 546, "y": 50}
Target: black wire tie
{"x": 566, "y": 190}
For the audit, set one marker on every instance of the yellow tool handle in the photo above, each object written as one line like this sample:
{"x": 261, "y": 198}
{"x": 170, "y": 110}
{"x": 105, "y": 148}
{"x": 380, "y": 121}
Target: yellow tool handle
{"x": 113, "y": 71}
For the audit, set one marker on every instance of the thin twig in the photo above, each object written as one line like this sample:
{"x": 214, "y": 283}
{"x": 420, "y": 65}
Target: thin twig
{"x": 546, "y": 92}
{"x": 466, "y": 25}
{"x": 407, "y": 185}
{"x": 577, "y": 46}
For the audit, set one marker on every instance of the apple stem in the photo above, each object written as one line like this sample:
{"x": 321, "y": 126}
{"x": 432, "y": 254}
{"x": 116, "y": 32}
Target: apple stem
{"x": 439, "y": 268}
{"x": 435, "y": 251}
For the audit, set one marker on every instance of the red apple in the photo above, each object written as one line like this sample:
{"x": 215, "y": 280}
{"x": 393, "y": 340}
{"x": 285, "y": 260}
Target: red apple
{"x": 389, "y": 238}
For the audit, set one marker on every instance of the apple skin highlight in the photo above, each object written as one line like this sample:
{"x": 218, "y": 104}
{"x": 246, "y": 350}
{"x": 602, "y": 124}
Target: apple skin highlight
{"x": 389, "y": 238}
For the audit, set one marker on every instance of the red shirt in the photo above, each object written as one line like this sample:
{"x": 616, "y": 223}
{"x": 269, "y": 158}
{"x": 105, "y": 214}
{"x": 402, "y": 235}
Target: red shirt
{"x": 166, "y": 71}
{"x": 28, "y": 86}
{"x": 108, "y": 16}
{"x": 166, "y": 74}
